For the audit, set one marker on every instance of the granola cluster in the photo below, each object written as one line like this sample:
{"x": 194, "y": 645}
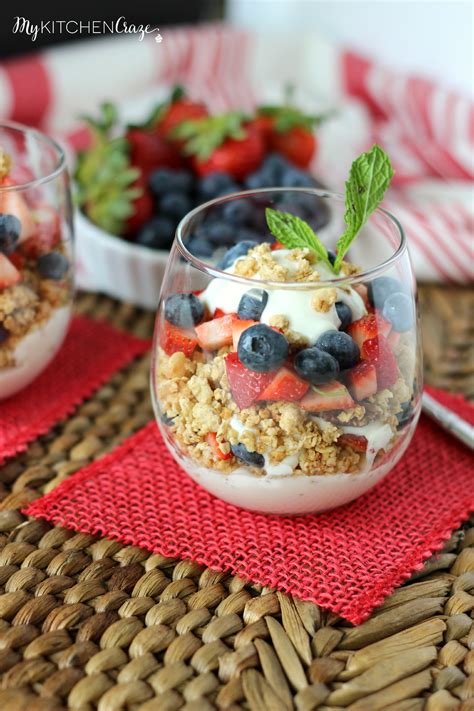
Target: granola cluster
{"x": 194, "y": 396}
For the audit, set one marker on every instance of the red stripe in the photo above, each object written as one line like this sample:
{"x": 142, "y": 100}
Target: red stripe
{"x": 459, "y": 231}
{"x": 355, "y": 70}
{"x": 31, "y": 89}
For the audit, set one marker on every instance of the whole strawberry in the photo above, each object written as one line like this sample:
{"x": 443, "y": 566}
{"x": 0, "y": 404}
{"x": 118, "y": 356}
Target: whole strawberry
{"x": 226, "y": 143}
{"x": 290, "y": 131}
{"x": 179, "y": 108}
{"x": 149, "y": 151}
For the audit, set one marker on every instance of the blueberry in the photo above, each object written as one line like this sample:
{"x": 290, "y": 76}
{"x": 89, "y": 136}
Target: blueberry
{"x": 10, "y": 228}
{"x": 238, "y": 212}
{"x": 244, "y": 234}
{"x": 294, "y": 178}
{"x": 275, "y": 165}
{"x": 252, "y": 304}
{"x": 380, "y": 289}
{"x": 53, "y": 265}
{"x": 259, "y": 179}
{"x": 216, "y": 184}
{"x": 253, "y": 458}
{"x": 398, "y": 310}
{"x": 310, "y": 208}
{"x": 405, "y": 415}
{"x": 331, "y": 256}
{"x": 341, "y": 346}
{"x": 157, "y": 233}
{"x": 200, "y": 247}
{"x": 184, "y": 310}
{"x": 4, "y": 334}
{"x": 262, "y": 349}
{"x": 168, "y": 421}
{"x": 345, "y": 314}
{"x": 218, "y": 232}
{"x": 175, "y": 204}
{"x": 238, "y": 250}
{"x": 167, "y": 180}
{"x": 316, "y": 365}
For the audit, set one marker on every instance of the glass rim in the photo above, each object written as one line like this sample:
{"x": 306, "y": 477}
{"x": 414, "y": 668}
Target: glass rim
{"x": 42, "y": 138}
{"x": 203, "y": 266}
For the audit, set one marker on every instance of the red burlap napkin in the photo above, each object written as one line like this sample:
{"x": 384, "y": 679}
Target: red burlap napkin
{"x": 347, "y": 560}
{"x": 92, "y": 351}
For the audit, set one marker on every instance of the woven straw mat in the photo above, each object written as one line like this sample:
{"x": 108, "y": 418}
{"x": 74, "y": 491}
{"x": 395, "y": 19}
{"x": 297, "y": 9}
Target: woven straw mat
{"x": 76, "y": 611}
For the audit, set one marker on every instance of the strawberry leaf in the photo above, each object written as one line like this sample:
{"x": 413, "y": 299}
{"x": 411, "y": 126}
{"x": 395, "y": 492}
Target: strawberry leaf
{"x": 369, "y": 177}
{"x": 203, "y": 136}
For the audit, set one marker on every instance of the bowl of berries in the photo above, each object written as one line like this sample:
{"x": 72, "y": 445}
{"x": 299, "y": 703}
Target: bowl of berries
{"x": 135, "y": 183}
{"x": 286, "y": 377}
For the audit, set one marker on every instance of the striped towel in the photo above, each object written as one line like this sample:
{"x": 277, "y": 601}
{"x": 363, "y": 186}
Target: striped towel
{"x": 427, "y": 130}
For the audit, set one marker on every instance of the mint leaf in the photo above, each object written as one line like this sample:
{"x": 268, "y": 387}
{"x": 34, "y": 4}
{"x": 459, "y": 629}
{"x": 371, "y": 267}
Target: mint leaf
{"x": 294, "y": 233}
{"x": 369, "y": 178}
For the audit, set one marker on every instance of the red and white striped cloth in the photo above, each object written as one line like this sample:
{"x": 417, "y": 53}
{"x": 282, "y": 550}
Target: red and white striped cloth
{"x": 427, "y": 130}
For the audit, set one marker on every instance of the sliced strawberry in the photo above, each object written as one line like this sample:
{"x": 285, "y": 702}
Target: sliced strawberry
{"x": 277, "y": 245}
{"x": 368, "y": 327}
{"x": 355, "y": 442}
{"x": 328, "y": 396}
{"x": 17, "y": 260}
{"x": 362, "y": 380}
{"x": 9, "y": 274}
{"x": 46, "y": 234}
{"x": 174, "y": 339}
{"x": 378, "y": 352}
{"x": 217, "y": 313}
{"x": 211, "y": 439}
{"x": 363, "y": 293}
{"x": 246, "y": 385}
{"x": 216, "y": 333}
{"x": 12, "y": 202}
{"x": 238, "y": 327}
{"x": 286, "y": 385}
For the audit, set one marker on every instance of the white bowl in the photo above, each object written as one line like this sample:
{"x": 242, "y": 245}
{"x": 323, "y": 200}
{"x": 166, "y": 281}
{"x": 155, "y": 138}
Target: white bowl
{"x": 116, "y": 267}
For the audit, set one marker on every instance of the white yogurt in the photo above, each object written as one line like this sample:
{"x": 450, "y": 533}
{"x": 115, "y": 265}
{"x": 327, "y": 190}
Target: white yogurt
{"x": 286, "y": 494}
{"x": 294, "y": 304}
{"x": 34, "y": 352}
{"x": 377, "y": 434}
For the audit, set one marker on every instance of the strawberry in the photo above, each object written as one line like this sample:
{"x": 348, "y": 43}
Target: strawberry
{"x": 356, "y": 442}
{"x": 238, "y": 326}
{"x": 173, "y": 339}
{"x": 216, "y": 333}
{"x": 286, "y": 385}
{"x": 46, "y": 234}
{"x": 277, "y": 245}
{"x": 328, "y": 396}
{"x": 378, "y": 352}
{"x": 362, "y": 380}
{"x": 290, "y": 131}
{"x": 298, "y": 145}
{"x": 17, "y": 260}
{"x": 368, "y": 327}
{"x": 12, "y": 202}
{"x": 211, "y": 439}
{"x": 217, "y": 313}
{"x": 142, "y": 207}
{"x": 246, "y": 385}
{"x": 225, "y": 143}
{"x": 179, "y": 108}
{"x": 264, "y": 126}
{"x": 363, "y": 293}
{"x": 9, "y": 274}
{"x": 149, "y": 151}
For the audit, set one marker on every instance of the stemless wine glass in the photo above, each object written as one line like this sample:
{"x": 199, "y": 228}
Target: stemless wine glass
{"x": 271, "y": 433}
{"x": 36, "y": 274}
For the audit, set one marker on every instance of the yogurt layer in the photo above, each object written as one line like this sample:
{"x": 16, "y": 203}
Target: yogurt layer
{"x": 288, "y": 495}
{"x": 293, "y": 303}
{"x": 34, "y": 352}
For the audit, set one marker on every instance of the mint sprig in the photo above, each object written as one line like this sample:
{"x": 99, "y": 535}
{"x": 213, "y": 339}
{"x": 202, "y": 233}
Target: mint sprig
{"x": 293, "y": 232}
{"x": 369, "y": 177}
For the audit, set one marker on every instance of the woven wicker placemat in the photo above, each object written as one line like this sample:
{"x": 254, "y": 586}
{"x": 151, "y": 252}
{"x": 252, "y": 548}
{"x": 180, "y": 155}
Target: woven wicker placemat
{"x": 86, "y": 623}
